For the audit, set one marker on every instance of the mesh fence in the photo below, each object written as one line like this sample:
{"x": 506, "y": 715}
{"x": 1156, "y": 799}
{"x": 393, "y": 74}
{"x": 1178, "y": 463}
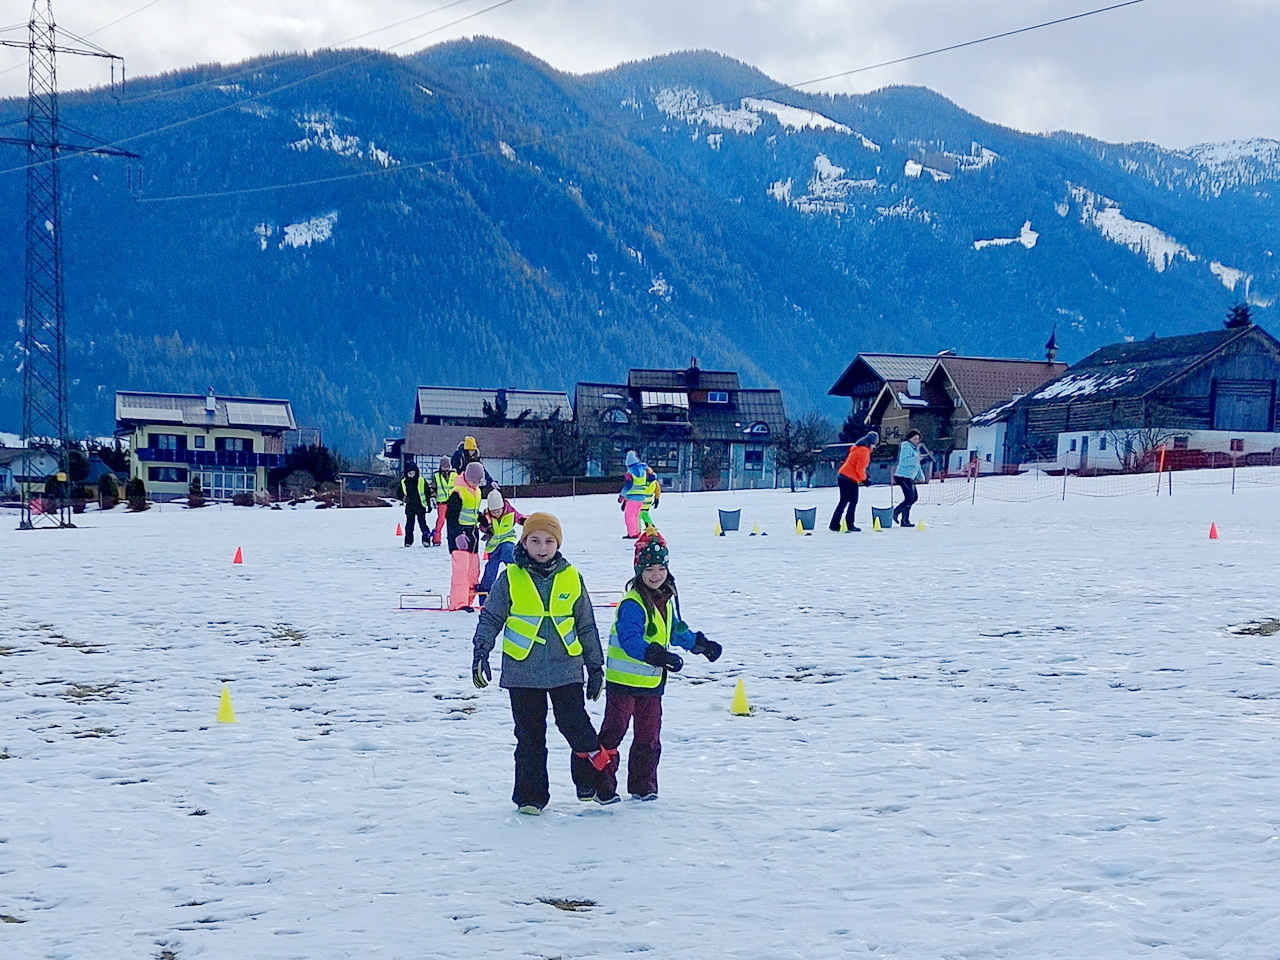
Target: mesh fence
{"x": 1037, "y": 485}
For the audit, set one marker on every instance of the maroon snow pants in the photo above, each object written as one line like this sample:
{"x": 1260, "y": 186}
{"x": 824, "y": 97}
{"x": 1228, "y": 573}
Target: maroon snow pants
{"x": 620, "y": 709}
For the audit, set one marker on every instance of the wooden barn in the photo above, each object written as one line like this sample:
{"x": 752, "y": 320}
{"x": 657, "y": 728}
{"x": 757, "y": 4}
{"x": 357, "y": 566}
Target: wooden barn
{"x": 1213, "y": 391}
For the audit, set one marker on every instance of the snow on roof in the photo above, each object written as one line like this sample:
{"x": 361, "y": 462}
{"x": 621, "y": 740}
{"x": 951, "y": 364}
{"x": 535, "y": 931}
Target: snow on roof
{"x": 1084, "y": 384}
{"x": 193, "y": 410}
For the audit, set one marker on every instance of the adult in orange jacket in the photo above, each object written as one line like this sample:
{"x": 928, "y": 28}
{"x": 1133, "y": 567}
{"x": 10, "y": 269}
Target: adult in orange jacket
{"x": 852, "y": 474}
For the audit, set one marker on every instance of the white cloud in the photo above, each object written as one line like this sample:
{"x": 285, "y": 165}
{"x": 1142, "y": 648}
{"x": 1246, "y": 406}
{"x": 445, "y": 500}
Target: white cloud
{"x": 1176, "y": 72}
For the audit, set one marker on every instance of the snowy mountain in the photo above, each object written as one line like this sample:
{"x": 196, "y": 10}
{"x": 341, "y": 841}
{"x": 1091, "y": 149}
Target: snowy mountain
{"x": 350, "y": 224}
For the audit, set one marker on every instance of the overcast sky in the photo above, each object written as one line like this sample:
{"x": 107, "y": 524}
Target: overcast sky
{"x": 1176, "y": 72}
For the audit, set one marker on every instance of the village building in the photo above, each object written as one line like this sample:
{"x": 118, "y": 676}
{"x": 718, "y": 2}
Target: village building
{"x": 939, "y": 395}
{"x": 1203, "y": 397}
{"x": 697, "y": 429}
{"x": 228, "y": 442}
{"x": 22, "y": 468}
{"x": 501, "y": 420}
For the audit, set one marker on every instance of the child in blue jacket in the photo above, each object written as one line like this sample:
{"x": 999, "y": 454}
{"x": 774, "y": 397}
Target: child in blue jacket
{"x": 639, "y": 657}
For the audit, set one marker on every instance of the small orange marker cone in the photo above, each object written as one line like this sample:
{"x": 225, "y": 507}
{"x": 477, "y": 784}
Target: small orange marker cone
{"x": 399, "y": 530}
{"x": 1213, "y": 531}
{"x": 239, "y": 557}
{"x": 226, "y": 712}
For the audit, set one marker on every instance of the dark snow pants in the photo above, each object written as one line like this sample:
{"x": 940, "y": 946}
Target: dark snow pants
{"x": 909, "y": 496}
{"x": 529, "y": 710}
{"x": 848, "y": 502}
{"x": 620, "y": 709}
{"x": 418, "y": 513}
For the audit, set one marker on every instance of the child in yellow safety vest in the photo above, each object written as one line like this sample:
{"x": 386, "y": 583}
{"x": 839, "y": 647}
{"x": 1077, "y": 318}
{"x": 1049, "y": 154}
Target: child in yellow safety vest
{"x": 540, "y": 607}
{"x": 462, "y": 523}
{"x": 498, "y": 523}
{"x": 647, "y": 624}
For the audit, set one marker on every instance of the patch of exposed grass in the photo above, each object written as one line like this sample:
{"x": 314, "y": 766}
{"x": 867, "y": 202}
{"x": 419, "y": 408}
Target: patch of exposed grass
{"x": 95, "y": 732}
{"x": 572, "y": 906}
{"x": 1263, "y": 628}
{"x": 77, "y": 692}
{"x": 5, "y": 918}
{"x": 284, "y": 633}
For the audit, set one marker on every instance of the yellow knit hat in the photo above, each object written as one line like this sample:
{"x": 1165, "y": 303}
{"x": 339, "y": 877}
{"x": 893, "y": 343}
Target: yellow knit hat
{"x": 544, "y": 522}
{"x": 469, "y": 443}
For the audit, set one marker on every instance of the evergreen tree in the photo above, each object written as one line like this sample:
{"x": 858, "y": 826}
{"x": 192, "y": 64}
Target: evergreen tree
{"x": 1238, "y": 316}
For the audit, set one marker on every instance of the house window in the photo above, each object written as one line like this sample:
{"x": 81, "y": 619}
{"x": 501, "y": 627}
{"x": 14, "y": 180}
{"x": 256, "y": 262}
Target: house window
{"x": 1237, "y": 446}
{"x": 234, "y": 443}
{"x": 166, "y": 441}
{"x": 199, "y": 442}
{"x": 1073, "y": 446}
{"x": 717, "y": 396}
{"x": 167, "y": 474}
{"x": 753, "y": 459}
{"x": 1180, "y": 443}
{"x": 615, "y": 415}
{"x": 1102, "y": 443}
{"x": 222, "y": 485}
{"x": 759, "y": 429}
{"x": 988, "y": 458}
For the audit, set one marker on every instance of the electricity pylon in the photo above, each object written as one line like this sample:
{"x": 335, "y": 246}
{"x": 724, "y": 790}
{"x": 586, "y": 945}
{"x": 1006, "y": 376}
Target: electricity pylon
{"x": 44, "y": 365}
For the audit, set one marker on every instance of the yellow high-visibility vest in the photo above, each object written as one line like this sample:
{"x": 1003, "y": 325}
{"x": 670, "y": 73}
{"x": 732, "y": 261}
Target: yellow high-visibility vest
{"x": 469, "y": 515}
{"x": 444, "y": 485}
{"x": 422, "y": 489}
{"x": 620, "y": 666}
{"x": 502, "y": 529}
{"x": 527, "y": 612}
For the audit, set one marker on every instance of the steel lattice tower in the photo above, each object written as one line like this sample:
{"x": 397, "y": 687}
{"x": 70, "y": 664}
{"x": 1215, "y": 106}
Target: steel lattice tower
{"x": 44, "y": 368}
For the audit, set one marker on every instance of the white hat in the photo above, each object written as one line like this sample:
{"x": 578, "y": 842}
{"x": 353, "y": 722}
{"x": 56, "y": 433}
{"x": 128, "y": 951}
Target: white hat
{"x": 494, "y": 501}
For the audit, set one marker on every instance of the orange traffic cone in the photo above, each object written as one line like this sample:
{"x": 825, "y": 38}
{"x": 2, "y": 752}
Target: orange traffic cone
{"x": 1213, "y": 531}
{"x": 399, "y": 530}
{"x": 239, "y": 557}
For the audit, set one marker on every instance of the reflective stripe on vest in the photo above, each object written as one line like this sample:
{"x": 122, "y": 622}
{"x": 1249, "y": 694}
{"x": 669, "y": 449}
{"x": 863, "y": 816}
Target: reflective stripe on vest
{"x": 422, "y": 489}
{"x": 620, "y": 666}
{"x": 527, "y": 612}
{"x": 502, "y": 529}
{"x": 469, "y": 515}
{"x": 444, "y": 486}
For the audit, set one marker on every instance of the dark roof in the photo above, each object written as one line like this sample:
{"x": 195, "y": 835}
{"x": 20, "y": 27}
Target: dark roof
{"x": 468, "y": 402}
{"x": 730, "y": 422}
{"x": 1125, "y": 370}
{"x": 693, "y": 378}
{"x": 885, "y": 367}
{"x": 984, "y": 382}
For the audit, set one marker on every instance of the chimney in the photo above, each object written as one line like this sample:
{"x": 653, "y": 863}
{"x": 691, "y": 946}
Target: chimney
{"x": 210, "y": 402}
{"x": 692, "y": 375}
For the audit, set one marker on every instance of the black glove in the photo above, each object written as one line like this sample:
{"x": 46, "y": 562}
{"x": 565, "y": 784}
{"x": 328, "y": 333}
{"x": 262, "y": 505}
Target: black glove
{"x": 656, "y": 655}
{"x": 707, "y": 648}
{"x": 595, "y": 683}
{"x": 480, "y": 672}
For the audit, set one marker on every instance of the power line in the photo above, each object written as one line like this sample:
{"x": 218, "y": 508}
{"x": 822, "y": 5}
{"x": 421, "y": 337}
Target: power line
{"x": 295, "y": 83}
{"x": 440, "y": 161}
{"x": 259, "y": 65}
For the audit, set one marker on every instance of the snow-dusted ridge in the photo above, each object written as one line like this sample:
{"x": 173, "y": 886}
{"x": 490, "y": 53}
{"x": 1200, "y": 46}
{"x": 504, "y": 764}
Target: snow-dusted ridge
{"x": 322, "y": 135}
{"x": 827, "y": 188}
{"x": 685, "y": 103}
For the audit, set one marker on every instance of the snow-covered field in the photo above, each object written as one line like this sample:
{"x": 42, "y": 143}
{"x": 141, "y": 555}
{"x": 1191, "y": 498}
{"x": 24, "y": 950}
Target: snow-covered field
{"x": 1027, "y": 731}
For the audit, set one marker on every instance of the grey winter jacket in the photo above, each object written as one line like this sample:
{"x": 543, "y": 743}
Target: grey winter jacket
{"x": 548, "y": 664}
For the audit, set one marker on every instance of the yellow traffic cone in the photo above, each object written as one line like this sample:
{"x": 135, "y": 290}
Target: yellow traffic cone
{"x": 919, "y": 524}
{"x": 226, "y": 712}
{"x": 755, "y": 529}
{"x": 799, "y": 528}
{"x": 844, "y": 527}
{"x": 719, "y": 531}
{"x": 740, "y": 707}
{"x": 875, "y": 523}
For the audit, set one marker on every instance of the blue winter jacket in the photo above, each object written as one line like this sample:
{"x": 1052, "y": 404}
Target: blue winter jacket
{"x": 630, "y": 626}
{"x": 908, "y": 465}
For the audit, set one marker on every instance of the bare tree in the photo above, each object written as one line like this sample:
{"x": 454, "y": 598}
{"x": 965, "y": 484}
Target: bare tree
{"x": 1134, "y": 447}
{"x": 801, "y": 442}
